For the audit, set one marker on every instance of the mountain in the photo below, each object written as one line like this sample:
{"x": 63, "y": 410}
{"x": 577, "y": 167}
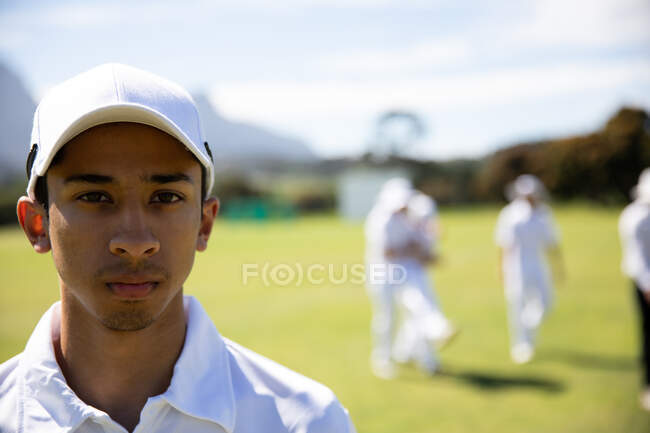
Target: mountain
{"x": 245, "y": 145}
{"x": 16, "y": 113}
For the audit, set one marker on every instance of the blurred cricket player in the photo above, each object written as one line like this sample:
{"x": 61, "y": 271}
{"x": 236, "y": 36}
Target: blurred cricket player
{"x": 634, "y": 228}
{"x": 388, "y": 243}
{"x": 400, "y": 231}
{"x": 119, "y": 182}
{"x": 424, "y": 325}
{"x": 525, "y": 233}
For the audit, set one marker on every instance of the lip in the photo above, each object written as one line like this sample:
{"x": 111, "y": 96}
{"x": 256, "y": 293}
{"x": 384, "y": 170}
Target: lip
{"x": 132, "y": 286}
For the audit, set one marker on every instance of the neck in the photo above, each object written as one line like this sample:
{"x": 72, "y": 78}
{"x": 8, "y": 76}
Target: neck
{"x": 117, "y": 371}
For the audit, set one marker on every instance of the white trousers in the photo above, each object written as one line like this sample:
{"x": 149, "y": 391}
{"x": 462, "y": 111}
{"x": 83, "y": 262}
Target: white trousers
{"x": 383, "y": 298}
{"x": 422, "y": 320}
{"x": 528, "y": 304}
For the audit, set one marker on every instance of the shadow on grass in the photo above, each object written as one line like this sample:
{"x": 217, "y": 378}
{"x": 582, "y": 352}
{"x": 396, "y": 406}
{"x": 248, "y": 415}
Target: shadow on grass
{"x": 588, "y": 360}
{"x": 488, "y": 381}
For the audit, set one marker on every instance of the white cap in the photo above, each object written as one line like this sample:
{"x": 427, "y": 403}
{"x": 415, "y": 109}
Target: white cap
{"x": 114, "y": 93}
{"x": 641, "y": 191}
{"x": 526, "y": 185}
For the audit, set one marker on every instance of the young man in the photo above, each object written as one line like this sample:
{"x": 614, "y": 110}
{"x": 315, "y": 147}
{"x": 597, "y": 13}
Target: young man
{"x": 395, "y": 246}
{"x": 525, "y": 233}
{"x": 387, "y": 243}
{"x": 424, "y": 325}
{"x": 118, "y": 190}
{"x": 634, "y": 228}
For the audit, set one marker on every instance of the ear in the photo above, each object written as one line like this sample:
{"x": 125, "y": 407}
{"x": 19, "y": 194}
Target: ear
{"x": 32, "y": 217}
{"x": 210, "y": 210}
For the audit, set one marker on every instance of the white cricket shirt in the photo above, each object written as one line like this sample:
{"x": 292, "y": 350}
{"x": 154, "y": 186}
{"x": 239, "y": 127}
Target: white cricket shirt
{"x": 217, "y": 386}
{"x": 423, "y": 212}
{"x": 634, "y": 229}
{"x": 524, "y": 233}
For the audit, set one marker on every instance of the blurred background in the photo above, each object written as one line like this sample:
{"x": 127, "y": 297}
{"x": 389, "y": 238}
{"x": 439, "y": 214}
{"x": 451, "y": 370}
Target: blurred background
{"x": 309, "y": 106}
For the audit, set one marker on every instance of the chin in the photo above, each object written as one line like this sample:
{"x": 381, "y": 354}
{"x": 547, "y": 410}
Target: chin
{"x": 131, "y": 320}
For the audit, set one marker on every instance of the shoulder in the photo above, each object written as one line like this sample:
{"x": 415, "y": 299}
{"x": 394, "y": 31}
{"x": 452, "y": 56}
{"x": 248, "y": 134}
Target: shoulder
{"x": 299, "y": 403}
{"x": 8, "y": 374}
{"x": 506, "y": 214}
{"x": 9, "y": 393}
{"x": 632, "y": 215}
{"x": 635, "y": 210}
{"x": 625, "y": 215}
{"x": 508, "y": 209}
{"x": 374, "y": 221}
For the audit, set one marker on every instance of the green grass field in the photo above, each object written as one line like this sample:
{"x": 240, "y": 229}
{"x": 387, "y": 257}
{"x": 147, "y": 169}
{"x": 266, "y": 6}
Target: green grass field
{"x": 584, "y": 379}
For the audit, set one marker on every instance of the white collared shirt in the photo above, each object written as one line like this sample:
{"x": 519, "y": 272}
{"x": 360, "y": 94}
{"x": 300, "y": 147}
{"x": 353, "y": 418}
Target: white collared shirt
{"x": 634, "y": 228}
{"x": 217, "y": 386}
{"x": 387, "y": 231}
{"x": 524, "y": 232}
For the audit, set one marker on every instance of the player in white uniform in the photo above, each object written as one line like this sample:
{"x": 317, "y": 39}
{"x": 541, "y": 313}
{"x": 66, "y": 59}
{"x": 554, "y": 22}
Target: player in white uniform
{"x": 525, "y": 233}
{"x": 424, "y": 323}
{"x": 388, "y": 235}
{"x": 634, "y": 228}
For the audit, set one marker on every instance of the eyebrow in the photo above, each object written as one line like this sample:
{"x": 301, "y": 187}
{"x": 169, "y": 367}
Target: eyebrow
{"x": 154, "y": 178}
{"x": 168, "y": 178}
{"x": 89, "y": 178}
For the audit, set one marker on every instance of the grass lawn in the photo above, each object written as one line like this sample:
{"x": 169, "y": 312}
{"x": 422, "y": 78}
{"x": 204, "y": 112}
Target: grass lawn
{"x": 584, "y": 379}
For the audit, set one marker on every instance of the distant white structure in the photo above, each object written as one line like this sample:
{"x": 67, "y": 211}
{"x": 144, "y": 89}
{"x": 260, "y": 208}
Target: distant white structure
{"x": 358, "y": 188}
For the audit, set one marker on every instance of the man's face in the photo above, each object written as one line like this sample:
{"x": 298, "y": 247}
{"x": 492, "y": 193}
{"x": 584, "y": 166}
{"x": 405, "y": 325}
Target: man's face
{"x": 124, "y": 221}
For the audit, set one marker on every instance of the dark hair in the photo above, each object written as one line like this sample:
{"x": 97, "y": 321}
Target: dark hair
{"x": 40, "y": 189}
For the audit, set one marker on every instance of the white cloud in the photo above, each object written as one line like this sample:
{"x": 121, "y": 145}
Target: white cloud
{"x": 303, "y": 4}
{"x": 418, "y": 57}
{"x": 63, "y": 16}
{"x": 585, "y": 23}
{"x": 260, "y": 100}
{"x": 11, "y": 38}
{"x": 83, "y": 16}
{"x": 90, "y": 16}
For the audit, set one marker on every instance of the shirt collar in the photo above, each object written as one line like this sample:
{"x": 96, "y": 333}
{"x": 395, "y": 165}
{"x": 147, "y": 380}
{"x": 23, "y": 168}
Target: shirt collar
{"x": 48, "y": 403}
{"x": 201, "y": 384}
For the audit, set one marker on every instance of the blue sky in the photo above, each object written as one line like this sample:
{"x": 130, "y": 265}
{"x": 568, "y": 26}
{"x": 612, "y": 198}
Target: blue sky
{"x": 481, "y": 74}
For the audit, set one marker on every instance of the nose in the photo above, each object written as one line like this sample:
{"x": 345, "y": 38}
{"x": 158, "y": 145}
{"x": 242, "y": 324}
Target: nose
{"x": 134, "y": 245}
{"x": 135, "y": 241}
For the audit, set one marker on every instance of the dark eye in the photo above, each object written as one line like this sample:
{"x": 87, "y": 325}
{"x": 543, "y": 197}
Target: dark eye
{"x": 95, "y": 197}
{"x": 166, "y": 197}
